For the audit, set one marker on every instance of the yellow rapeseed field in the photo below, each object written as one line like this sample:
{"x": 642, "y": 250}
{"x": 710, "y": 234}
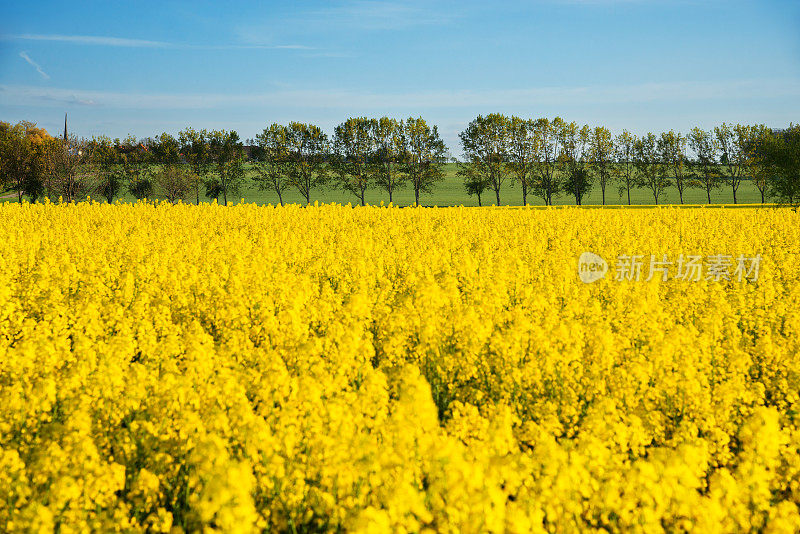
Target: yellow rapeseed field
{"x": 249, "y": 368}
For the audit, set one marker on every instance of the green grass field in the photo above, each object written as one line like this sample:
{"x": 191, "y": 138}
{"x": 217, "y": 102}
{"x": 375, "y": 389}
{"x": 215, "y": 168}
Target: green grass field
{"x": 450, "y": 192}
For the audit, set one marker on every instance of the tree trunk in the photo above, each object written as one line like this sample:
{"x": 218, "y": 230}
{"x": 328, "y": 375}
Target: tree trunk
{"x": 524, "y": 193}
{"x": 280, "y": 197}
{"x": 497, "y": 194}
{"x": 762, "y": 196}
{"x": 734, "y": 195}
{"x": 603, "y": 190}
{"x": 708, "y": 193}
{"x": 479, "y": 200}
{"x": 416, "y": 196}
{"x": 629, "y": 194}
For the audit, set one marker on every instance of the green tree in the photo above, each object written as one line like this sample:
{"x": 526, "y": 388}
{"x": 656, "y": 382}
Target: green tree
{"x": 353, "y": 154}
{"x": 578, "y": 183}
{"x": 648, "y": 163}
{"x": 69, "y": 174}
{"x": 756, "y": 165}
{"x": 196, "y": 151}
{"x": 706, "y": 171}
{"x": 136, "y": 160}
{"x": 227, "y": 157}
{"x": 15, "y": 152}
{"x": 523, "y": 149}
{"x": 547, "y": 183}
{"x": 166, "y": 150}
{"x": 390, "y": 150}
{"x": 475, "y": 182}
{"x": 174, "y": 182}
{"x": 780, "y": 154}
{"x": 672, "y": 152}
{"x": 423, "y": 155}
{"x": 308, "y": 157}
{"x": 601, "y": 157}
{"x": 141, "y": 187}
{"x": 33, "y": 186}
{"x": 23, "y": 163}
{"x": 109, "y": 171}
{"x": 272, "y": 164}
{"x": 572, "y": 143}
{"x": 625, "y": 144}
{"x": 485, "y": 144}
{"x": 733, "y": 142}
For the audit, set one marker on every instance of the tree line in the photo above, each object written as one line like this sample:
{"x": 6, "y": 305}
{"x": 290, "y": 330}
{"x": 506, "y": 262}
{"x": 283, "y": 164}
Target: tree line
{"x": 362, "y": 153}
{"x": 35, "y": 165}
{"x": 546, "y": 158}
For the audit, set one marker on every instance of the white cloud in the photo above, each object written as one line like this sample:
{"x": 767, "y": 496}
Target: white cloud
{"x": 490, "y": 100}
{"x": 381, "y": 15}
{"x": 349, "y": 16}
{"x": 602, "y": 2}
{"x": 93, "y": 40}
{"x": 282, "y": 47}
{"x": 26, "y": 57}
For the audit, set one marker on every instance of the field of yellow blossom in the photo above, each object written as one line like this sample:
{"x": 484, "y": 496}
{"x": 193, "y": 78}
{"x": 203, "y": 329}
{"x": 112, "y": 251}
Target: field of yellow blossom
{"x": 181, "y": 368}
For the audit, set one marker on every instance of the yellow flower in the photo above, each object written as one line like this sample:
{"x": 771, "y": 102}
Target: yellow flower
{"x": 178, "y": 368}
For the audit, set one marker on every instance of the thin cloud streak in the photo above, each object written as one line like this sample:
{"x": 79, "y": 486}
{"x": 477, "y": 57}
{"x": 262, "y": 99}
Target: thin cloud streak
{"x": 605, "y": 2}
{"x": 426, "y": 100}
{"x": 354, "y": 16}
{"x": 24, "y": 55}
{"x": 93, "y": 40}
{"x": 381, "y": 15}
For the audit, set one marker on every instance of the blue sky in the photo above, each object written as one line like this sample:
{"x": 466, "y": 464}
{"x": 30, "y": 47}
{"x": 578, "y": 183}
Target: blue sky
{"x": 645, "y": 65}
